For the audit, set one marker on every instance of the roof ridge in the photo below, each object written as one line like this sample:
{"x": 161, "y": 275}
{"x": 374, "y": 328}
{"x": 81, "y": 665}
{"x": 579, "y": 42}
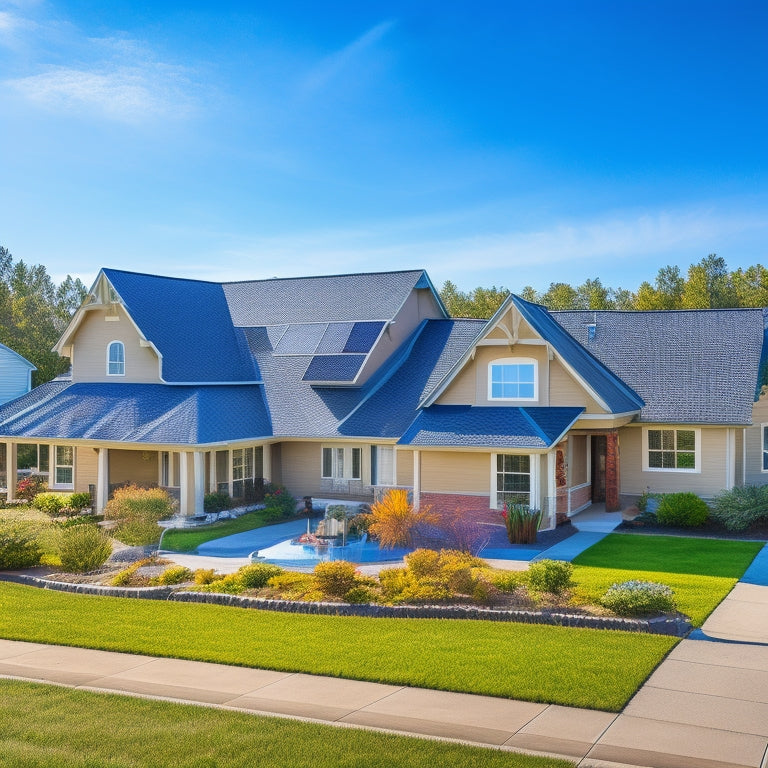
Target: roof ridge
{"x": 325, "y": 277}
{"x": 162, "y": 277}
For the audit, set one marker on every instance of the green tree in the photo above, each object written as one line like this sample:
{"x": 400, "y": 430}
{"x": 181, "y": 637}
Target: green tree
{"x": 708, "y": 285}
{"x": 750, "y": 286}
{"x": 34, "y": 311}
{"x": 592, "y": 294}
{"x": 561, "y": 296}
{"x": 479, "y": 303}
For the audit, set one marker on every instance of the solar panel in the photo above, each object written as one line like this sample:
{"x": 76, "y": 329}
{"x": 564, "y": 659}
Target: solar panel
{"x": 334, "y": 339}
{"x": 334, "y": 368}
{"x": 301, "y": 339}
{"x": 363, "y": 337}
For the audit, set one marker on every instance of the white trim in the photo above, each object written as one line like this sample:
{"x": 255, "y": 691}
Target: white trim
{"x": 347, "y": 461}
{"x": 763, "y": 427}
{"x": 730, "y": 458}
{"x": 606, "y": 416}
{"x": 697, "y": 449}
{"x": 54, "y": 465}
{"x": 744, "y": 457}
{"x": 102, "y": 479}
{"x": 510, "y": 362}
{"x": 109, "y": 354}
{"x": 416, "y": 479}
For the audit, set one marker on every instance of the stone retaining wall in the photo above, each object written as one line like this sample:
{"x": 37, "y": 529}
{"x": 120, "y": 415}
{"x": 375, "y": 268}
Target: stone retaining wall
{"x": 677, "y": 626}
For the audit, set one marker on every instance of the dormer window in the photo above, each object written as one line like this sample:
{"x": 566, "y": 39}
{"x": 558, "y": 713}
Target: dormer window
{"x": 513, "y": 378}
{"x": 116, "y": 359}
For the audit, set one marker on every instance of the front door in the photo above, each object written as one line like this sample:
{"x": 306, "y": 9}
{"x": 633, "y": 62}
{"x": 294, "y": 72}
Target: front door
{"x": 599, "y": 445}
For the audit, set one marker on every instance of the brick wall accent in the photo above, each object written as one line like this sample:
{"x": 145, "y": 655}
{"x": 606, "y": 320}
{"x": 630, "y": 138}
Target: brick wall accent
{"x": 581, "y": 497}
{"x": 612, "y": 472}
{"x": 474, "y": 507}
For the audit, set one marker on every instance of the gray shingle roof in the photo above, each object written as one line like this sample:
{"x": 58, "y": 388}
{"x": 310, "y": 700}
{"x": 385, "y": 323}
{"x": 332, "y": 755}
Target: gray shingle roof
{"x": 689, "y": 366}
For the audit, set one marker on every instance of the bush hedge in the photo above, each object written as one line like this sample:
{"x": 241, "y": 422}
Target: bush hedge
{"x": 638, "y": 598}
{"x": 740, "y": 508}
{"x": 19, "y": 544}
{"x": 83, "y": 548}
{"x": 685, "y": 510}
{"x": 553, "y": 576}
{"x": 137, "y": 512}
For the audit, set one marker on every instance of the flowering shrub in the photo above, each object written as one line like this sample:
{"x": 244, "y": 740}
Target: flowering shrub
{"x": 28, "y": 487}
{"x": 278, "y": 502}
{"x": 635, "y": 598}
{"x": 522, "y": 523}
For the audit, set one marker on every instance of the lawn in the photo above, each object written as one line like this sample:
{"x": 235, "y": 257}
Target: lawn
{"x": 49, "y": 727}
{"x": 189, "y": 539}
{"x": 700, "y": 571}
{"x": 577, "y": 667}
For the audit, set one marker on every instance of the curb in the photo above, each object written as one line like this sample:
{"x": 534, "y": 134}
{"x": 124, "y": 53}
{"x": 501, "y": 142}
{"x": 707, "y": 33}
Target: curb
{"x": 675, "y": 626}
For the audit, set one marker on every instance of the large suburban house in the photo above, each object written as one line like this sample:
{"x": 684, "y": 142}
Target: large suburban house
{"x": 344, "y": 386}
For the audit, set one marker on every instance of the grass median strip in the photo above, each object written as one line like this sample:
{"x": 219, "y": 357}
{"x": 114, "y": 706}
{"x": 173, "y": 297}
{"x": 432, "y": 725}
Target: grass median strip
{"x": 49, "y": 727}
{"x": 597, "y": 669}
{"x": 187, "y": 540}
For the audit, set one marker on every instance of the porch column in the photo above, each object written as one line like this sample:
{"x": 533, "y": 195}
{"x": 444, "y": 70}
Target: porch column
{"x": 10, "y": 470}
{"x": 212, "y": 472}
{"x": 266, "y": 463}
{"x": 199, "y": 471}
{"x": 551, "y": 507}
{"x": 730, "y": 458}
{"x": 612, "y": 472}
{"x": 185, "y": 507}
{"x": 102, "y": 479}
{"x": 417, "y": 479}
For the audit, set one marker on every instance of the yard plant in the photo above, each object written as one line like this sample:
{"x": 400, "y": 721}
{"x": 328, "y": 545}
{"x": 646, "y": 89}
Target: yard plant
{"x": 522, "y": 523}
{"x": 741, "y": 507}
{"x": 686, "y": 510}
{"x": 137, "y": 512}
{"x": 83, "y": 548}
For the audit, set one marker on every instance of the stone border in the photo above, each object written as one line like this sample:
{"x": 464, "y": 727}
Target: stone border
{"x": 676, "y": 626}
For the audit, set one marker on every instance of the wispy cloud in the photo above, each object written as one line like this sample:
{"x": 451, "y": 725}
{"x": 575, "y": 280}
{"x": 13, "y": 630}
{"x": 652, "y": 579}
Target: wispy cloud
{"x": 331, "y": 67}
{"x": 116, "y": 77}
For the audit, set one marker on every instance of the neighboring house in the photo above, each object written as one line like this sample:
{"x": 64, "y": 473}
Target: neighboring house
{"x": 15, "y": 374}
{"x": 343, "y": 386}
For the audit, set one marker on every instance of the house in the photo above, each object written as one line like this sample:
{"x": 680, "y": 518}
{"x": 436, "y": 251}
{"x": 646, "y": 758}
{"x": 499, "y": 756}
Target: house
{"x": 15, "y": 374}
{"x": 344, "y": 386}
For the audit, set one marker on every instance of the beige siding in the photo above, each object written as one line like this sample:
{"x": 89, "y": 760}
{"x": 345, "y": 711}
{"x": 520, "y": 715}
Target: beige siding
{"x": 578, "y": 468}
{"x": 277, "y": 463}
{"x": 461, "y": 390}
{"x": 404, "y": 468}
{"x": 740, "y": 456}
{"x": 711, "y": 479}
{"x": 754, "y": 458}
{"x": 86, "y": 468}
{"x": 139, "y": 467}
{"x": 428, "y": 306}
{"x": 89, "y": 350}
{"x": 301, "y": 468}
{"x": 565, "y": 390}
{"x": 414, "y": 310}
{"x": 451, "y": 472}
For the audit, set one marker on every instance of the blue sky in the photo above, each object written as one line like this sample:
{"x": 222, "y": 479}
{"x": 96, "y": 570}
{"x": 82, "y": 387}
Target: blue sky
{"x": 505, "y": 143}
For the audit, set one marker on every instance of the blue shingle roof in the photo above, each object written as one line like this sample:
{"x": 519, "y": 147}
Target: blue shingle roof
{"x": 142, "y": 413}
{"x": 189, "y": 323}
{"x": 615, "y": 393}
{"x": 485, "y": 426}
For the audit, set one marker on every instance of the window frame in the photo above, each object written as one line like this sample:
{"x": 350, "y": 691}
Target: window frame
{"x": 533, "y": 473}
{"x": 56, "y": 484}
{"x": 763, "y": 433}
{"x": 696, "y": 469}
{"x": 117, "y": 344}
{"x": 514, "y": 362}
{"x": 342, "y": 456}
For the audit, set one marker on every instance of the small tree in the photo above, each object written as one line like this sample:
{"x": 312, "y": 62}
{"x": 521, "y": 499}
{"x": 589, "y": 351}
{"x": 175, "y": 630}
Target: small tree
{"x": 395, "y": 519}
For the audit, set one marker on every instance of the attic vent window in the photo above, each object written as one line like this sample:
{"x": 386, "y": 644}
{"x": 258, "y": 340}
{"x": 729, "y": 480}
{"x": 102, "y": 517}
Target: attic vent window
{"x": 116, "y": 359}
{"x": 591, "y": 331}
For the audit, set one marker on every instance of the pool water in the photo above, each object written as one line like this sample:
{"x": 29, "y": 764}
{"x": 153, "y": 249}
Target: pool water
{"x": 298, "y": 554}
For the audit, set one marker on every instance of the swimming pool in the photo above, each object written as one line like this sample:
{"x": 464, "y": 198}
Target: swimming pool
{"x": 294, "y": 553}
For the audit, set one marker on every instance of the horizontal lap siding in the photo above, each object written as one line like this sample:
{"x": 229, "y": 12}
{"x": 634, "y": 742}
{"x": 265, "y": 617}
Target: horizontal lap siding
{"x": 754, "y": 456}
{"x": 86, "y": 468}
{"x": 300, "y": 468}
{"x": 139, "y": 467}
{"x": 708, "y": 482}
{"x": 452, "y": 472}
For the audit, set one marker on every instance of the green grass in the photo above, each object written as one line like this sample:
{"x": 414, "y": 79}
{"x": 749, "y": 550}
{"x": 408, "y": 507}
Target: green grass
{"x": 672, "y": 554}
{"x": 700, "y": 571}
{"x": 187, "y": 540}
{"x": 50, "y": 727}
{"x": 574, "y": 667}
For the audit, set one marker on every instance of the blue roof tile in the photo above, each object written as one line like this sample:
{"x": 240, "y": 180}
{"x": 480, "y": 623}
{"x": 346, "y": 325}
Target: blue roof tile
{"x": 143, "y": 413}
{"x": 334, "y": 368}
{"x": 454, "y": 426}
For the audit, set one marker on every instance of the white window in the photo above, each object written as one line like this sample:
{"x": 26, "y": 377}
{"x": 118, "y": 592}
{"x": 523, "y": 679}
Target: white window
{"x": 513, "y": 479}
{"x": 116, "y": 359}
{"x": 64, "y": 466}
{"x": 382, "y": 465}
{"x": 672, "y": 450}
{"x": 513, "y": 378}
{"x": 340, "y": 463}
{"x": 765, "y": 447}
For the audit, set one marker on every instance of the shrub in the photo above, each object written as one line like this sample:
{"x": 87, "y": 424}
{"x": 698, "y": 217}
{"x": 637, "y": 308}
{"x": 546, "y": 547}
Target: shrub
{"x": 128, "y": 576}
{"x": 522, "y": 523}
{"x": 278, "y": 503}
{"x": 84, "y": 548}
{"x": 335, "y": 578}
{"x": 506, "y": 581}
{"x": 553, "y": 576}
{"x": 636, "y": 598}
{"x": 295, "y": 586}
{"x": 739, "y": 508}
{"x": 359, "y": 524}
{"x": 204, "y": 576}
{"x": 176, "y": 574}
{"x": 137, "y": 512}
{"x": 423, "y": 562}
{"x": 257, "y": 576}
{"x": 19, "y": 544}
{"x": 50, "y": 503}
{"x": 80, "y": 501}
{"x": 362, "y": 594}
{"x": 27, "y": 488}
{"x": 395, "y": 520}
{"x": 686, "y": 510}
{"x": 216, "y": 502}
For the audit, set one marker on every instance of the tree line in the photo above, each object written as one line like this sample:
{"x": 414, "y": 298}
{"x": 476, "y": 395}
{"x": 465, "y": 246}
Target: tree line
{"x": 706, "y": 285}
{"x": 34, "y": 312}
